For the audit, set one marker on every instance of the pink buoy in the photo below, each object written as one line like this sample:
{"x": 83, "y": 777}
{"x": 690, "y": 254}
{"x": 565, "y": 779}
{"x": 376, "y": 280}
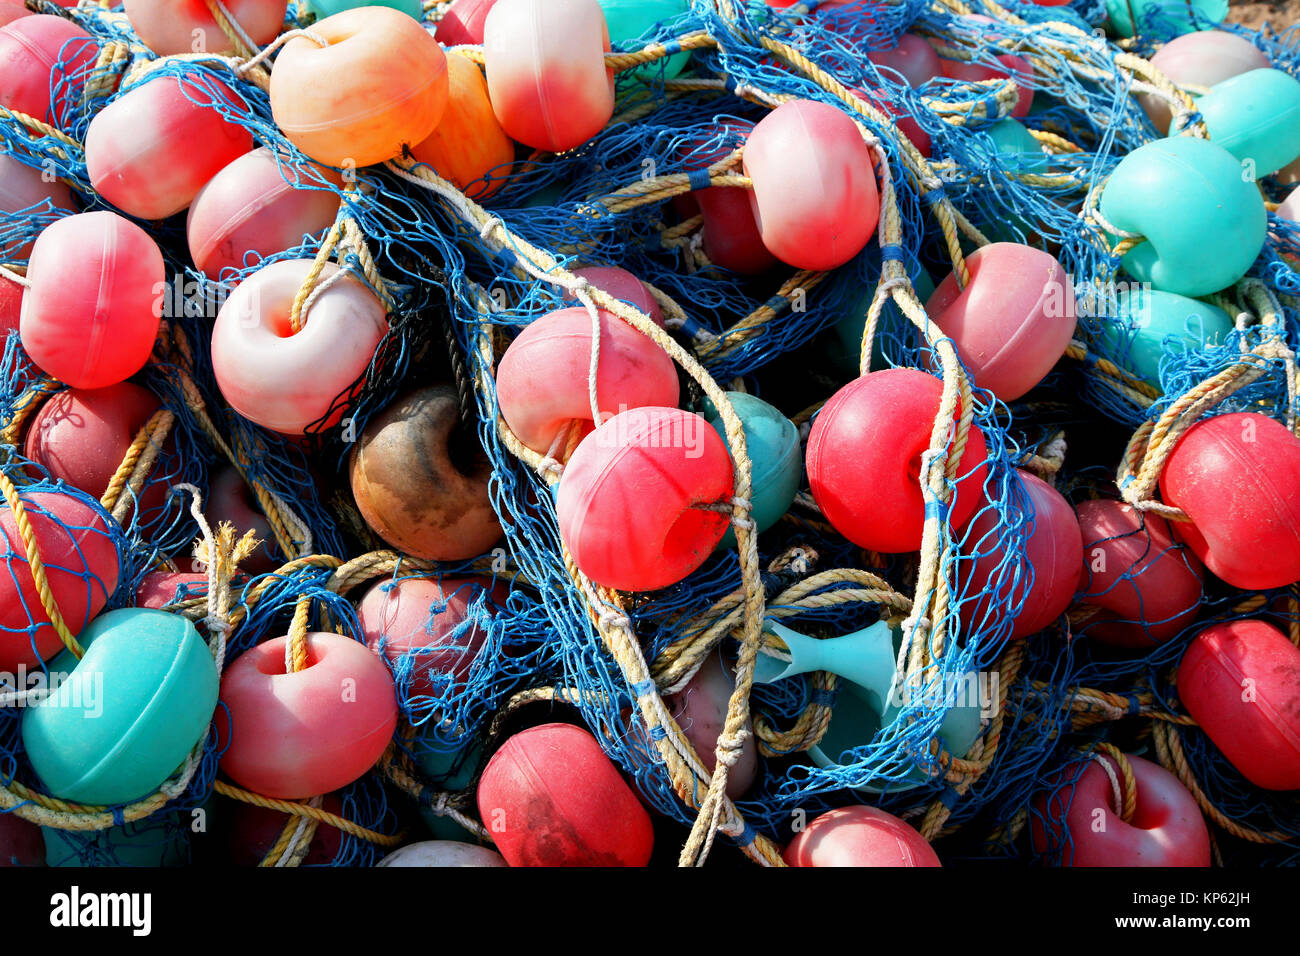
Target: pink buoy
{"x": 1147, "y": 586}
{"x": 700, "y": 709}
{"x": 1013, "y": 67}
{"x": 621, "y": 284}
{"x": 542, "y": 379}
{"x": 730, "y": 232}
{"x": 139, "y": 149}
{"x": 428, "y": 630}
{"x": 159, "y": 590}
{"x": 230, "y": 499}
{"x": 546, "y": 71}
{"x": 638, "y": 502}
{"x": 21, "y": 188}
{"x": 80, "y": 564}
{"x": 90, "y": 314}
{"x": 1202, "y": 58}
{"x": 260, "y": 205}
{"x": 11, "y": 10}
{"x": 80, "y": 436}
{"x": 170, "y": 27}
{"x": 859, "y": 836}
{"x": 1237, "y": 477}
{"x": 555, "y": 799}
{"x": 1014, "y": 319}
{"x": 298, "y": 734}
{"x": 912, "y": 57}
{"x": 1052, "y": 548}
{"x": 31, "y": 49}
{"x": 284, "y": 380}
{"x": 814, "y": 196}
{"x": 462, "y": 24}
{"x": 1081, "y": 819}
{"x": 864, "y": 460}
{"x": 1241, "y": 682}
{"x": 11, "y": 304}
{"x": 907, "y": 124}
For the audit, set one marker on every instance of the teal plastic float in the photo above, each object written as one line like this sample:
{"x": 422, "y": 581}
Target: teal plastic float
{"x": 1145, "y": 321}
{"x": 327, "y": 8}
{"x": 448, "y": 773}
{"x": 1256, "y": 117}
{"x": 1204, "y": 223}
{"x": 1165, "y": 17}
{"x": 629, "y": 19}
{"x": 129, "y": 712}
{"x": 845, "y": 343}
{"x": 869, "y": 697}
{"x": 772, "y": 442}
{"x": 157, "y": 840}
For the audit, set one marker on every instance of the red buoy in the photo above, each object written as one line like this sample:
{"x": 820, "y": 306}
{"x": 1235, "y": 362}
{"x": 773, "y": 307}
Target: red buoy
{"x": 859, "y": 836}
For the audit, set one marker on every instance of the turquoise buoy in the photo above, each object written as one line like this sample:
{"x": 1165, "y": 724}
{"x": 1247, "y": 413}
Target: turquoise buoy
{"x": 1015, "y": 143}
{"x": 158, "y": 840}
{"x": 327, "y": 8}
{"x": 1256, "y": 117}
{"x": 845, "y": 343}
{"x": 777, "y": 464}
{"x": 869, "y": 695}
{"x": 1144, "y": 320}
{"x": 128, "y": 713}
{"x": 1168, "y": 18}
{"x": 1204, "y": 222}
{"x": 449, "y": 773}
{"x": 629, "y": 19}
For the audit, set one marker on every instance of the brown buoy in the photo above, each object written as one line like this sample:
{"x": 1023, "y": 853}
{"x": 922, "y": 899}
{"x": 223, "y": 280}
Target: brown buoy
{"x": 418, "y": 486}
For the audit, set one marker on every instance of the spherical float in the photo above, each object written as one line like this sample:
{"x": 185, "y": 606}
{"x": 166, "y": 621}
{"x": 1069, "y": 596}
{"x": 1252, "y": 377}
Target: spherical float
{"x": 776, "y": 466}
{"x": 1011, "y": 67}
{"x": 628, "y": 20}
{"x": 1237, "y": 477}
{"x": 468, "y": 147}
{"x": 1080, "y": 819}
{"x": 248, "y": 833}
{"x": 730, "y": 233}
{"x": 911, "y": 57}
{"x": 429, "y": 630}
{"x": 1256, "y": 117}
{"x": 1202, "y": 221}
{"x": 31, "y": 49}
{"x": 23, "y": 187}
{"x": 545, "y": 62}
{"x": 159, "y": 590}
{"x": 421, "y": 480}
{"x": 1147, "y": 585}
{"x": 550, "y": 797}
{"x": 1202, "y": 59}
{"x": 1240, "y": 681}
{"x": 442, "y": 853}
{"x": 542, "y": 380}
{"x": 90, "y": 315}
{"x": 285, "y": 380}
{"x": 814, "y": 195}
{"x": 700, "y": 709}
{"x": 298, "y": 734}
{"x": 139, "y": 148}
{"x": 130, "y": 711}
{"x": 622, "y": 285}
{"x": 395, "y": 93}
{"x": 255, "y": 206}
{"x": 1012, "y": 321}
{"x": 859, "y": 836}
{"x": 871, "y": 435}
{"x": 231, "y": 499}
{"x": 1048, "y": 551}
{"x": 1148, "y": 325}
{"x": 81, "y": 435}
{"x": 170, "y": 27}
{"x": 645, "y": 498}
{"x": 462, "y": 22}
{"x": 320, "y": 9}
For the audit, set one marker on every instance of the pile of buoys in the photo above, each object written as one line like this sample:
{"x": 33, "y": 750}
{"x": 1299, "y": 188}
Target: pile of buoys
{"x": 375, "y": 374}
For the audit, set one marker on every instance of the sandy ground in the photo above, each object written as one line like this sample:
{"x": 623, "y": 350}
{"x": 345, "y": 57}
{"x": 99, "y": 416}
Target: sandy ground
{"x": 1279, "y": 14}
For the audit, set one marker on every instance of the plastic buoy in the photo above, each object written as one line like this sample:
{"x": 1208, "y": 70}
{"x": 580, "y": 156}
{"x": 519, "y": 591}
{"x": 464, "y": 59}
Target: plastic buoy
{"x": 911, "y": 57}
{"x": 442, "y": 853}
{"x": 1203, "y": 222}
{"x": 289, "y": 381}
{"x": 468, "y": 147}
{"x": 1241, "y": 682}
{"x": 258, "y": 205}
{"x": 776, "y": 466}
{"x": 1147, "y": 585}
{"x": 298, "y": 734}
{"x": 859, "y": 836}
{"x": 128, "y": 713}
{"x": 420, "y": 484}
{"x": 1012, "y": 68}
{"x": 462, "y": 23}
{"x": 542, "y": 380}
{"x": 545, "y": 62}
{"x": 140, "y": 153}
{"x": 1012, "y": 321}
{"x": 90, "y": 315}
{"x": 864, "y": 460}
{"x": 1200, "y": 59}
{"x": 22, "y": 187}
{"x": 170, "y": 27}
{"x": 622, "y": 285}
{"x": 1051, "y": 547}
{"x": 554, "y": 799}
{"x": 814, "y": 197}
{"x": 700, "y": 709}
{"x": 1148, "y": 325}
{"x": 394, "y": 95}
{"x": 1081, "y": 820}
{"x": 645, "y": 498}
{"x": 31, "y": 49}
{"x": 1237, "y": 477}
{"x": 1256, "y": 117}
